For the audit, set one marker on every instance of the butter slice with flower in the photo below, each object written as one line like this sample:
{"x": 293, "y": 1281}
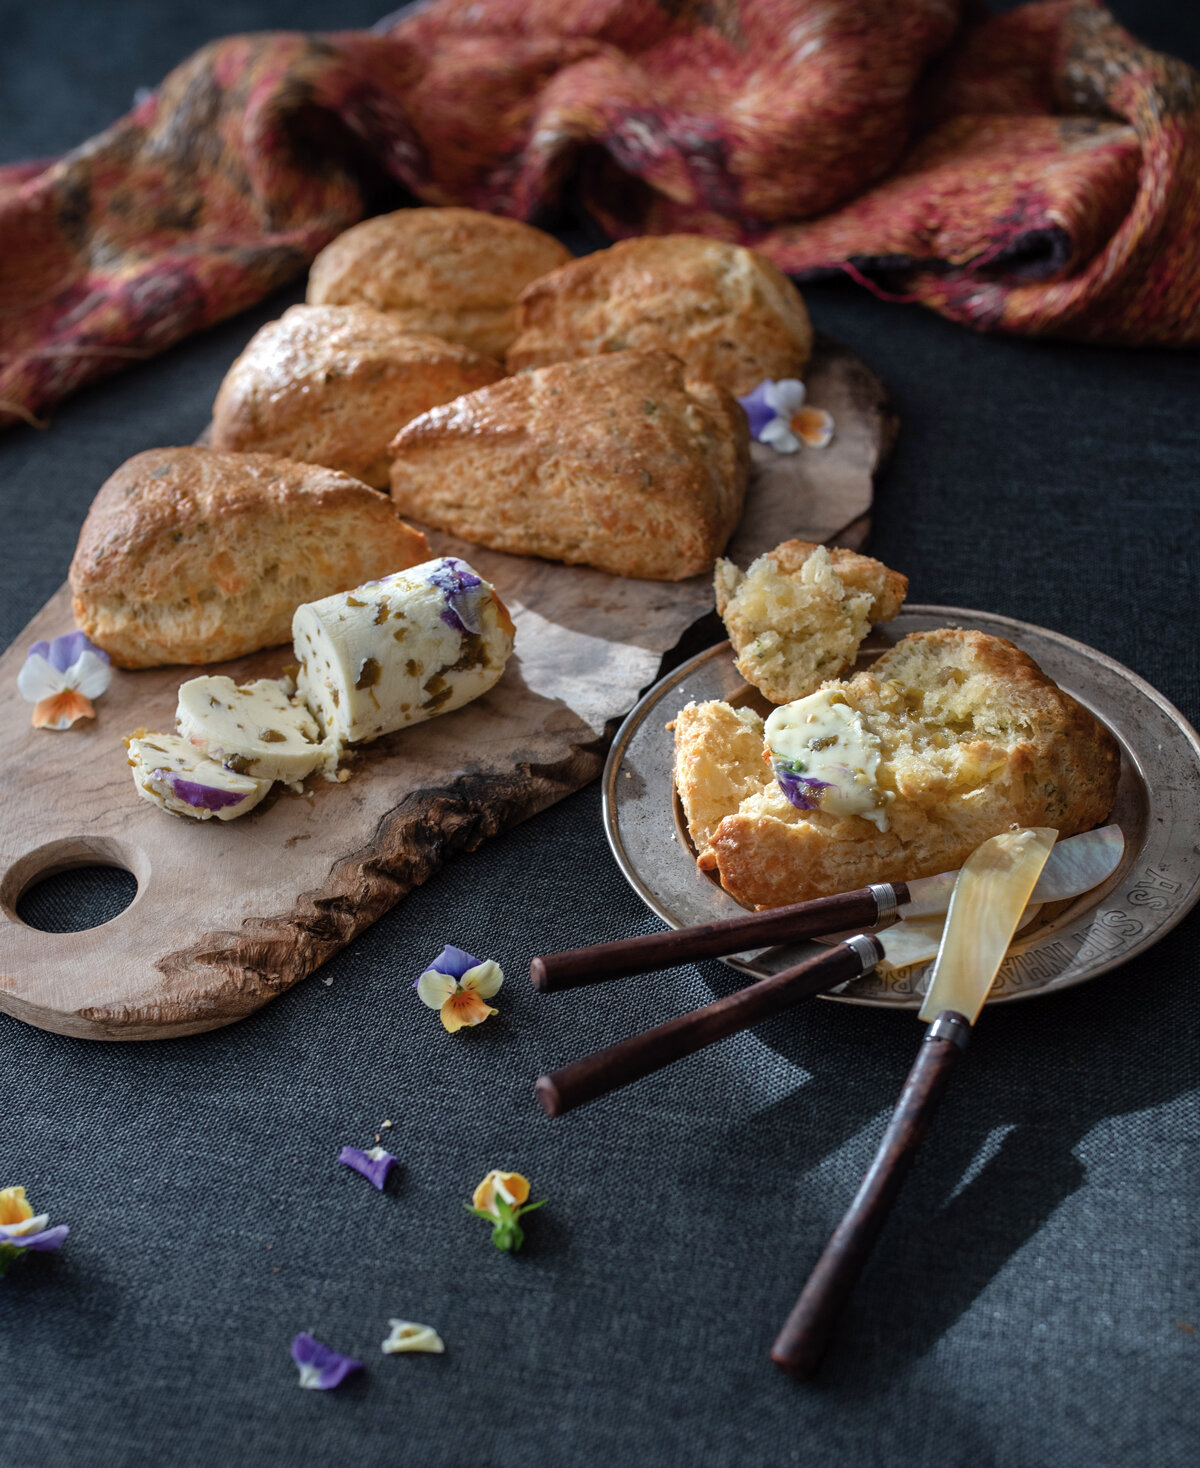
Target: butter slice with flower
{"x": 61, "y": 677}
{"x": 21, "y": 1229}
{"x": 779, "y": 416}
{"x": 408, "y": 1336}
{"x": 456, "y": 984}
{"x": 500, "y": 1199}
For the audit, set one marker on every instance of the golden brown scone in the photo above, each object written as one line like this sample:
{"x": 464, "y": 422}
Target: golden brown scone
{"x": 974, "y": 738}
{"x": 332, "y": 385}
{"x": 453, "y": 273}
{"x": 193, "y": 556}
{"x": 616, "y": 463}
{"x": 797, "y": 616}
{"x": 718, "y": 764}
{"x": 730, "y": 315}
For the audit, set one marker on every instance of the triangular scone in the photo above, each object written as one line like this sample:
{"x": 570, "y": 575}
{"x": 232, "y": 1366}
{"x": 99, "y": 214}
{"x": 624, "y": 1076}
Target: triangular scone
{"x": 616, "y": 462}
{"x": 973, "y": 738}
{"x": 797, "y": 616}
{"x": 718, "y": 764}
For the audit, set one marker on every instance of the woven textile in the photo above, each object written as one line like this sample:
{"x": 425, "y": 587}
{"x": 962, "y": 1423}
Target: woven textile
{"x": 1035, "y": 172}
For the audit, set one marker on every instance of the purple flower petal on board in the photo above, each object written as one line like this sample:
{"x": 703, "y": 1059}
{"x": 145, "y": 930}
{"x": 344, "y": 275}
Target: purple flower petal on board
{"x": 374, "y": 1164}
{"x": 199, "y": 797}
{"x": 65, "y": 651}
{"x": 48, "y": 1238}
{"x": 802, "y": 791}
{"x": 758, "y": 410}
{"x": 321, "y": 1367}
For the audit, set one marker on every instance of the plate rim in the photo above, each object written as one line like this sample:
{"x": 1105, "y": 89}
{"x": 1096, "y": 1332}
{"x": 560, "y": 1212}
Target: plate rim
{"x": 653, "y": 696}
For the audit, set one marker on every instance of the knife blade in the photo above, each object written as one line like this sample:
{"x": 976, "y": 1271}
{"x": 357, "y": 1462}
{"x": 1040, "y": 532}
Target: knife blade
{"x": 989, "y": 897}
{"x": 1074, "y": 866}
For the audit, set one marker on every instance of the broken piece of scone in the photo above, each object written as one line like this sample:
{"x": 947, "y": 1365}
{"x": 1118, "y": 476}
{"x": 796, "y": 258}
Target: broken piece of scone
{"x": 797, "y": 616}
{"x": 898, "y": 772}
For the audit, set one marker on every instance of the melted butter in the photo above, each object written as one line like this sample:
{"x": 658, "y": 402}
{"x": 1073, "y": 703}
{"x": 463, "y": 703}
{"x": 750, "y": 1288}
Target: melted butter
{"x": 823, "y": 738}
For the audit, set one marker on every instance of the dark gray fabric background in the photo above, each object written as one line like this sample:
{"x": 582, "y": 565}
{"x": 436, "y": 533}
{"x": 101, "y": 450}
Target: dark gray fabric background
{"x": 1028, "y": 1300}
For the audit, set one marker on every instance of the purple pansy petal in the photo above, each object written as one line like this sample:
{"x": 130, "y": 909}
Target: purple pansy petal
{"x": 374, "y": 1165}
{"x": 801, "y": 791}
{"x": 62, "y": 652}
{"x": 463, "y": 592}
{"x": 454, "y": 962}
{"x": 199, "y": 797}
{"x": 49, "y": 1238}
{"x": 321, "y": 1367}
{"x": 758, "y": 410}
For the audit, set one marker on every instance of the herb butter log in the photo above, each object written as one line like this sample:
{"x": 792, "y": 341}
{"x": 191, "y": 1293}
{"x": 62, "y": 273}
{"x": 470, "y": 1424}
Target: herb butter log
{"x": 173, "y": 774}
{"x": 400, "y": 650}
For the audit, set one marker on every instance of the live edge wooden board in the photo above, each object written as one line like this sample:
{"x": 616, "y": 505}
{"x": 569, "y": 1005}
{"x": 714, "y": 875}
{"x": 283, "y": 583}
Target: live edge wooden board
{"x": 226, "y": 916}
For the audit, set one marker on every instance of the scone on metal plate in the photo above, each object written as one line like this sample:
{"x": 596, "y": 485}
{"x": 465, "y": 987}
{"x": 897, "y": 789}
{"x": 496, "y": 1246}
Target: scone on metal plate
{"x": 190, "y": 555}
{"x": 729, "y": 314}
{"x": 453, "y": 273}
{"x": 613, "y": 462}
{"x": 896, "y": 773}
{"x": 798, "y": 614}
{"x": 332, "y": 385}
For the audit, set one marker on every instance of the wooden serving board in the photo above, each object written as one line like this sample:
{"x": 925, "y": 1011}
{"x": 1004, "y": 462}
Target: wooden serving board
{"x": 228, "y": 915}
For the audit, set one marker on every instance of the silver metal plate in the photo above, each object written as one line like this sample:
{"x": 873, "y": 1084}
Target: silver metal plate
{"x": 1157, "y": 807}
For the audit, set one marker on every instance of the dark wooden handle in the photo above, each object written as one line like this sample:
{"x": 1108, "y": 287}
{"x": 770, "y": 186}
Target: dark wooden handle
{"x": 806, "y": 1332}
{"x": 630, "y": 1060}
{"x": 593, "y": 965}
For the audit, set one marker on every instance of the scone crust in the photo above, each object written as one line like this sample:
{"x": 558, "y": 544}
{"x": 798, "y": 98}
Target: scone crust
{"x": 1014, "y": 750}
{"x": 190, "y": 555}
{"x": 616, "y": 463}
{"x": 453, "y": 273}
{"x": 728, "y": 313}
{"x": 332, "y": 385}
{"x": 831, "y": 614}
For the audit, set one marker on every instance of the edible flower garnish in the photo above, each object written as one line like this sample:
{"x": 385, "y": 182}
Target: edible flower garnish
{"x": 462, "y": 590}
{"x": 778, "y": 416}
{"x": 321, "y": 1367}
{"x": 500, "y": 1200}
{"x": 456, "y": 984}
{"x": 800, "y": 789}
{"x": 374, "y": 1164}
{"x": 20, "y": 1229}
{"x": 61, "y": 677}
{"x": 407, "y": 1335}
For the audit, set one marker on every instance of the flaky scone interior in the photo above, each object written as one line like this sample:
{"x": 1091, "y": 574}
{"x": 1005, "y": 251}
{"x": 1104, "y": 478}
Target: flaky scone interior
{"x": 798, "y": 615}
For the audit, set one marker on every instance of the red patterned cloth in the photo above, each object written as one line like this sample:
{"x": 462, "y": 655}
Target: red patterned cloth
{"x": 1034, "y": 172}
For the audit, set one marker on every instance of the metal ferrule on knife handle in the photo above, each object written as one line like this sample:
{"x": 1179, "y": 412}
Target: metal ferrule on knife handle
{"x": 863, "y": 908}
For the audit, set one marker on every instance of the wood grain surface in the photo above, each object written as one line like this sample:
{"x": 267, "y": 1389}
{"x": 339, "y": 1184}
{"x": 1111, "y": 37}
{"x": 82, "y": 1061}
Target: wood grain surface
{"x": 226, "y": 916}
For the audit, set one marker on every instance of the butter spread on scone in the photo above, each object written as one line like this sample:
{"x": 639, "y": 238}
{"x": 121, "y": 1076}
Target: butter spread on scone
{"x": 400, "y": 650}
{"x": 825, "y": 757}
{"x": 797, "y": 616}
{"x": 731, "y": 315}
{"x": 188, "y": 555}
{"x": 333, "y": 385}
{"x": 454, "y": 273}
{"x": 615, "y": 462}
{"x": 173, "y": 774}
{"x": 253, "y": 728}
{"x": 973, "y": 738}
